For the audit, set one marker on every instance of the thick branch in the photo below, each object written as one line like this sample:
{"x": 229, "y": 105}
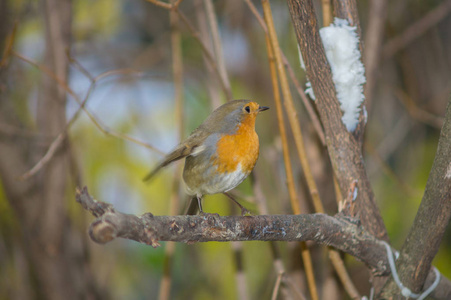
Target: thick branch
{"x": 425, "y": 236}
{"x": 344, "y": 150}
{"x": 337, "y": 232}
{"x": 347, "y": 9}
{"x": 148, "y": 229}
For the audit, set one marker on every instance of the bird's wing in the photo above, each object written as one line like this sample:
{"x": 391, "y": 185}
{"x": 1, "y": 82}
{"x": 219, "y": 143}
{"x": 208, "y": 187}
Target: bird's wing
{"x": 193, "y": 145}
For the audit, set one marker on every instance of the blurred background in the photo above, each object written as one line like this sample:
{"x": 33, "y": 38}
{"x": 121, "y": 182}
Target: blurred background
{"x": 144, "y": 97}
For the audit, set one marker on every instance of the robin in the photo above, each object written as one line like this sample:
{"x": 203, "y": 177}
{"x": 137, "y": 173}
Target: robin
{"x": 220, "y": 153}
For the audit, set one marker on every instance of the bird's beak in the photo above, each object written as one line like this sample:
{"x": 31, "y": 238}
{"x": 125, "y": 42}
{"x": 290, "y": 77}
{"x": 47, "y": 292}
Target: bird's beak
{"x": 262, "y": 108}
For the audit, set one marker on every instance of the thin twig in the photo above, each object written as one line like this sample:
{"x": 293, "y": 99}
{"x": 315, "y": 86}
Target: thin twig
{"x": 327, "y": 12}
{"x": 294, "y": 288}
{"x": 429, "y": 225}
{"x": 80, "y": 68}
{"x": 213, "y": 22}
{"x": 211, "y": 83}
{"x": 294, "y": 123}
{"x": 177, "y": 71}
{"x": 286, "y": 155}
{"x": 169, "y": 6}
{"x": 390, "y": 173}
{"x": 102, "y": 127}
{"x": 237, "y": 247}
{"x": 416, "y": 112}
{"x": 240, "y": 276}
{"x": 307, "y": 103}
{"x": 373, "y": 44}
{"x": 276, "y": 288}
{"x": 416, "y": 29}
{"x": 342, "y": 273}
{"x": 262, "y": 205}
{"x": 9, "y": 43}
{"x": 47, "y": 71}
{"x": 276, "y": 63}
{"x": 57, "y": 142}
{"x": 290, "y": 110}
{"x": 54, "y": 146}
{"x": 46, "y": 158}
{"x": 16, "y": 131}
{"x": 209, "y": 56}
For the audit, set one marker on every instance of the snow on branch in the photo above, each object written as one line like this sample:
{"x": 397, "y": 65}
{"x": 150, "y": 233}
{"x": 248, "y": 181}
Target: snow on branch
{"x": 342, "y": 51}
{"x": 341, "y": 44}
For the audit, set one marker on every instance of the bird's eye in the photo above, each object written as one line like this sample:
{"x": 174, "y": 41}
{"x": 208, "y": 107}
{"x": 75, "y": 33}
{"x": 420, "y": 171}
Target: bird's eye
{"x": 248, "y": 109}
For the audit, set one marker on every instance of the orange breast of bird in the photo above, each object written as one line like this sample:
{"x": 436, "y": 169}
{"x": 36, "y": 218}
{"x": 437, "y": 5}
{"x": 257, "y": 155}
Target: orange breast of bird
{"x": 240, "y": 148}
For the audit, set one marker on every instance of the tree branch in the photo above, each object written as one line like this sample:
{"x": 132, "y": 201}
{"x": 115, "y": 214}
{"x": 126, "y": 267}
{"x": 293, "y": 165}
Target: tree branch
{"x": 344, "y": 150}
{"x": 416, "y": 29}
{"x": 337, "y": 231}
{"x": 425, "y": 236}
{"x": 148, "y": 229}
{"x": 347, "y": 9}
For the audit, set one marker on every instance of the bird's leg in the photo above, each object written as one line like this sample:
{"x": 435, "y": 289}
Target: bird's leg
{"x": 201, "y": 212}
{"x": 192, "y": 207}
{"x": 199, "y": 202}
{"x": 244, "y": 210}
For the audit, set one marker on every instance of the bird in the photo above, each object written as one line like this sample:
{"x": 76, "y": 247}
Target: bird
{"x": 220, "y": 153}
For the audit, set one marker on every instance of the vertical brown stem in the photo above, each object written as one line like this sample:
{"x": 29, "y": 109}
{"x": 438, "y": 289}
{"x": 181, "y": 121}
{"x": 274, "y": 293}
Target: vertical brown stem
{"x": 373, "y": 45}
{"x": 344, "y": 150}
{"x": 425, "y": 236}
{"x": 177, "y": 71}
{"x": 274, "y": 51}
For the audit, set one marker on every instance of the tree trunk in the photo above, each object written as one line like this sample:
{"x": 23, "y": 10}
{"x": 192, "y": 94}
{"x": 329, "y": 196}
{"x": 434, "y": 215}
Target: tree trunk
{"x": 55, "y": 253}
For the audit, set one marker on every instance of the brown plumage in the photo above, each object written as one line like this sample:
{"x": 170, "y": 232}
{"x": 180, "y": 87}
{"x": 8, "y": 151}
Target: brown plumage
{"x": 221, "y": 152}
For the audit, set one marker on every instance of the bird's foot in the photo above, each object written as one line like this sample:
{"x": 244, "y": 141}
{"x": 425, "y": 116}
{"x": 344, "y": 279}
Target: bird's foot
{"x": 205, "y": 214}
{"x": 245, "y": 212}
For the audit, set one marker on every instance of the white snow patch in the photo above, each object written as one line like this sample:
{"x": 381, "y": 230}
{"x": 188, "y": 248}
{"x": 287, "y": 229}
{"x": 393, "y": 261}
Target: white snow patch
{"x": 308, "y": 84}
{"x": 365, "y": 114}
{"x": 448, "y": 172}
{"x": 354, "y": 196}
{"x": 309, "y": 90}
{"x": 301, "y": 59}
{"x": 341, "y": 44}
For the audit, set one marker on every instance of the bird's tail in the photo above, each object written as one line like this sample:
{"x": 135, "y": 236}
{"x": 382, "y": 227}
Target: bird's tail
{"x": 177, "y": 154}
{"x": 154, "y": 171}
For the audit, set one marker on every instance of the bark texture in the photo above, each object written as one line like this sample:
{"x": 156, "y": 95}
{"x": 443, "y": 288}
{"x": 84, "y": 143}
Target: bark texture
{"x": 344, "y": 149}
{"x": 339, "y": 232}
{"x": 426, "y": 233}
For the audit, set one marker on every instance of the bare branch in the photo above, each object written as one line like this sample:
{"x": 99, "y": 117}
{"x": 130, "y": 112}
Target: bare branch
{"x": 426, "y": 234}
{"x": 416, "y": 112}
{"x": 344, "y": 149}
{"x": 208, "y": 55}
{"x": 347, "y": 9}
{"x": 307, "y": 103}
{"x": 165, "y": 5}
{"x": 57, "y": 142}
{"x": 416, "y": 29}
{"x": 9, "y": 43}
{"x": 339, "y": 232}
{"x": 373, "y": 43}
{"x": 148, "y": 229}
{"x": 273, "y": 44}
{"x": 216, "y": 39}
